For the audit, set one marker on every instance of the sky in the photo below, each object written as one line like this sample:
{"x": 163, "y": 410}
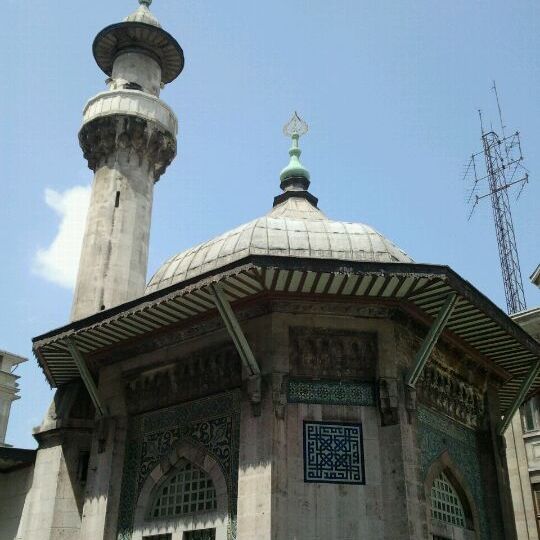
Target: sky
{"x": 390, "y": 90}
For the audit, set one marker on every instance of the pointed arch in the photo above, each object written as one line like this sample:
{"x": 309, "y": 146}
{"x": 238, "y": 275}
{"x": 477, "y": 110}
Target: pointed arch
{"x": 184, "y": 452}
{"x": 444, "y": 467}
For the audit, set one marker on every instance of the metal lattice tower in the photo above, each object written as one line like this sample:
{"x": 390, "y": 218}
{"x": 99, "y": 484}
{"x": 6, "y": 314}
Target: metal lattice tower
{"x": 502, "y": 169}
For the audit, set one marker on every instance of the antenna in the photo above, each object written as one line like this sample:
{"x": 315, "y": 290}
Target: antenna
{"x": 501, "y": 168}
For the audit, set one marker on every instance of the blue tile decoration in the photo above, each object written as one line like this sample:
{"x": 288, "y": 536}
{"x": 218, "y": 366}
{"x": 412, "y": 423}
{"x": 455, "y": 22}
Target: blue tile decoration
{"x": 212, "y": 423}
{"x": 331, "y": 392}
{"x": 333, "y": 453}
{"x": 437, "y": 434}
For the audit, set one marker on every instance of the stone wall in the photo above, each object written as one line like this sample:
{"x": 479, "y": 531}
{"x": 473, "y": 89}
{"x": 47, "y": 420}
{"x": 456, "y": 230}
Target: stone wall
{"x": 14, "y": 486}
{"x": 331, "y": 374}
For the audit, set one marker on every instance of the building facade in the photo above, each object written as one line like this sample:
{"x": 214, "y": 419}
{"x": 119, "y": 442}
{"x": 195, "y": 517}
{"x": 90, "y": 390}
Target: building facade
{"x": 523, "y": 444}
{"x": 9, "y": 388}
{"x": 16, "y": 465}
{"x": 294, "y": 378}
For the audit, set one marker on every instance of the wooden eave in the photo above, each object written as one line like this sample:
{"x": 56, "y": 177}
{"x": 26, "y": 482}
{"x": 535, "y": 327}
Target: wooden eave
{"x": 477, "y": 325}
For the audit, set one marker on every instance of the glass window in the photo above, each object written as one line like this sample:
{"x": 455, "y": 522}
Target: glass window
{"x": 445, "y": 503}
{"x": 530, "y": 414}
{"x": 536, "y": 496}
{"x": 187, "y": 490}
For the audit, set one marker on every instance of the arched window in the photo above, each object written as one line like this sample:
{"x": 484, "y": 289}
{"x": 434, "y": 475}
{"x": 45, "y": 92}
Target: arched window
{"x": 446, "y": 505}
{"x": 187, "y": 490}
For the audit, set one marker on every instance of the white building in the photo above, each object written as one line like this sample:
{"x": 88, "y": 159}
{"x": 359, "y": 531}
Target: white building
{"x": 9, "y": 388}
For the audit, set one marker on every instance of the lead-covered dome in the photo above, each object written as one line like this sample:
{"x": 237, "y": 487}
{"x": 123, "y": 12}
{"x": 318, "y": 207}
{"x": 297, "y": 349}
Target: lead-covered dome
{"x": 295, "y": 227}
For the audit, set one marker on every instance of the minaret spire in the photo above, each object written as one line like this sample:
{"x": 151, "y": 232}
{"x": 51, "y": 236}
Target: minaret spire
{"x": 128, "y": 137}
{"x": 295, "y": 177}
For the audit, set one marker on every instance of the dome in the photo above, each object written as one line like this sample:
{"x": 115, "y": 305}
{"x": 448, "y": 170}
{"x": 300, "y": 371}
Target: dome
{"x": 293, "y": 228}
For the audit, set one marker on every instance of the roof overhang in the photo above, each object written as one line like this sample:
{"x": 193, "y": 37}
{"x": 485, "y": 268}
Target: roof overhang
{"x": 477, "y": 325}
{"x": 15, "y": 458}
{"x": 535, "y": 277}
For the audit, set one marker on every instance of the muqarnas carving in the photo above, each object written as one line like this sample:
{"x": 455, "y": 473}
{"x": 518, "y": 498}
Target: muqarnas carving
{"x": 332, "y": 354}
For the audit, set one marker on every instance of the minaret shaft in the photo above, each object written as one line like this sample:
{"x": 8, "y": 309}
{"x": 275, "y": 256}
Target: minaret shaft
{"x": 128, "y": 137}
{"x": 114, "y": 256}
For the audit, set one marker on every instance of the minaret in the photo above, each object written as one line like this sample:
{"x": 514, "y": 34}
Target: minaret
{"x": 128, "y": 136}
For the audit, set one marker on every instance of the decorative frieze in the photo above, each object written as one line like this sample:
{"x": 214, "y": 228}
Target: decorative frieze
{"x": 186, "y": 378}
{"x": 332, "y": 354}
{"x": 331, "y": 392}
{"x": 444, "y": 391}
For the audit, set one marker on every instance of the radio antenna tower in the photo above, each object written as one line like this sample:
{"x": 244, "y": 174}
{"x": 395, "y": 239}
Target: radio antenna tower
{"x": 500, "y": 165}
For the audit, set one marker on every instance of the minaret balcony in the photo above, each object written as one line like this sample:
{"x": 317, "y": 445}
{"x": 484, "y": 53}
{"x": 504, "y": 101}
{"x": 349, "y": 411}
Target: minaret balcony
{"x": 131, "y": 103}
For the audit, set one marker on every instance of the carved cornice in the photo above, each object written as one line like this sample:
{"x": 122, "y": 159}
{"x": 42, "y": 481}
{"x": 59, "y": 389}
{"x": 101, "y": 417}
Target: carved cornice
{"x": 444, "y": 391}
{"x": 144, "y": 140}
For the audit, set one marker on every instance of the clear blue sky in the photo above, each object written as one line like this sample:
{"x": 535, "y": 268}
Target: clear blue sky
{"x": 390, "y": 90}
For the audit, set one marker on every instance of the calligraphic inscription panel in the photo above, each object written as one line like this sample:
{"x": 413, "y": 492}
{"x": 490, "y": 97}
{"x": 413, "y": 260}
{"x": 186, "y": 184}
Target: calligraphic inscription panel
{"x": 333, "y": 453}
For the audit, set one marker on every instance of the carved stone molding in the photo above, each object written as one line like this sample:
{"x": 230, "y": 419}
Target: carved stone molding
{"x": 187, "y": 378}
{"x": 331, "y": 308}
{"x": 446, "y": 392}
{"x": 332, "y": 354}
{"x": 279, "y": 394}
{"x": 142, "y": 139}
{"x": 389, "y": 401}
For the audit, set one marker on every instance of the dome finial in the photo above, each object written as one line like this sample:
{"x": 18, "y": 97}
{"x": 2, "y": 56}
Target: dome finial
{"x": 295, "y": 127}
{"x": 146, "y": 3}
{"x": 295, "y": 175}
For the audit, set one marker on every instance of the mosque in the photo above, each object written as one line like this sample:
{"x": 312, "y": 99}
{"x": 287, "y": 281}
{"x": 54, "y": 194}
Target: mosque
{"x": 296, "y": 378}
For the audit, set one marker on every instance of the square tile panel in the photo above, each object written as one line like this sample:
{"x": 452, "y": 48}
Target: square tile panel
{"x": 333, "y": 453}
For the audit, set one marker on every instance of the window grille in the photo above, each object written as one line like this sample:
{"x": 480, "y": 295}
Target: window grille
{"x": 187, "y": 490}
{"x": 201, "y": 534}
{"x": 445, "y": 503}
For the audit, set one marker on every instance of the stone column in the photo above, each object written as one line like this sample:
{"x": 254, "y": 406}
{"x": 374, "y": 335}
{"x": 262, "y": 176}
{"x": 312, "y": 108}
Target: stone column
{"x": 102, "y": 501}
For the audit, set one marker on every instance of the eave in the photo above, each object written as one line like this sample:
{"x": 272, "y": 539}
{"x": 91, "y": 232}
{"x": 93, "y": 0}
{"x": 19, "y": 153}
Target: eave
{"x": 15, "y": 458}
{"x": 477, "y": 324}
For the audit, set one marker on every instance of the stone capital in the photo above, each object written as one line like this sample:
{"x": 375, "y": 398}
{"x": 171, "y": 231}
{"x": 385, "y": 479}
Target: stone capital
{"x": 105, "y": 136}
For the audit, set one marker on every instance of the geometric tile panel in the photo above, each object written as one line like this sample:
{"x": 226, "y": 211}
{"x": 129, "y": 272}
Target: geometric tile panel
{"x": 437, "y": 434}
{"x": 331, "y": 392}
{"x": 333, "y": 453}
{"x": 212, "y": 423}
